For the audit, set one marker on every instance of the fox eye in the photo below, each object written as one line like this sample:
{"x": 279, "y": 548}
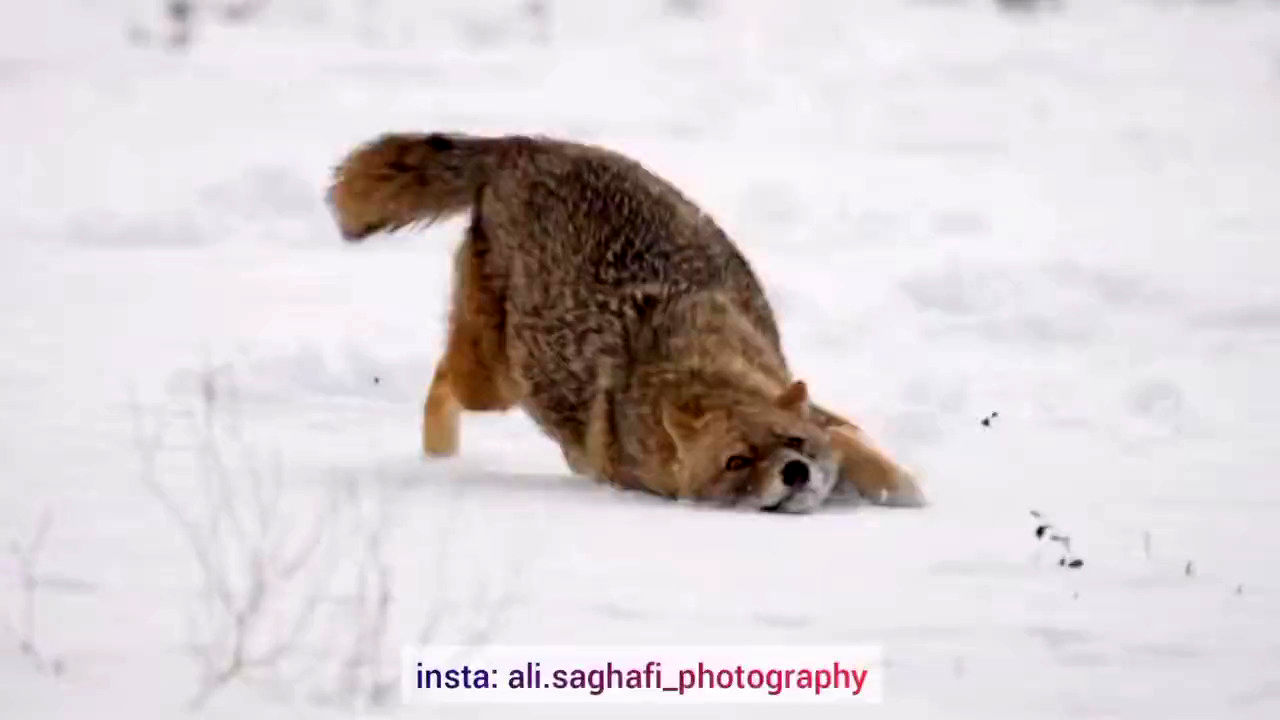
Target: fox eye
{"x": 795, "y": 443}
{"x": 738, "y": 462}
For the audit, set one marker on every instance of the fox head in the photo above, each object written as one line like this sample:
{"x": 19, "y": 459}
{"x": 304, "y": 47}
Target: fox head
{"x": 750, "y": 449}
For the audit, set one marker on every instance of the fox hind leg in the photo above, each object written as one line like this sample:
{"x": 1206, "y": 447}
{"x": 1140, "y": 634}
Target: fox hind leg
{"x": 441, "y": 415}
{"x": 475, "y": 372}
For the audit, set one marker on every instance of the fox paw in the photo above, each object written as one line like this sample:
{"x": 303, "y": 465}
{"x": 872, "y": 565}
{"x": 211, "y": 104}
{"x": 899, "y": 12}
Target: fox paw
{"x": 906, "y": 492}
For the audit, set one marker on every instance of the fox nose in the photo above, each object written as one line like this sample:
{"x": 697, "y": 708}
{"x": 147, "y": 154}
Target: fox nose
{"x": 795, "y": 473}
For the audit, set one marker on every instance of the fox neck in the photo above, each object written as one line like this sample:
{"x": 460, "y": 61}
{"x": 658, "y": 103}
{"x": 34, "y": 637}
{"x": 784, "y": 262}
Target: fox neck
{"x": 711, "y": 337}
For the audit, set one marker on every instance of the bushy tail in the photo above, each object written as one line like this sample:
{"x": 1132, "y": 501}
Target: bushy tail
{"x": 402, "y": 179}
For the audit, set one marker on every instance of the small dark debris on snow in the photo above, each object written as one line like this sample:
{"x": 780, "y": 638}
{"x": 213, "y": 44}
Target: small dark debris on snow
{"x": 986, "y": 421}
{"x": 1190, "y": 569}
{"x": 1042, "y": 532}
{"x": 376, "y": 379}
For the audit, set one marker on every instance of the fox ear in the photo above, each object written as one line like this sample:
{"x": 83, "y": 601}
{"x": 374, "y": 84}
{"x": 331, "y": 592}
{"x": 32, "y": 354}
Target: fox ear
{"x": 682, "y": 423}
{"x": 795, "y": 397}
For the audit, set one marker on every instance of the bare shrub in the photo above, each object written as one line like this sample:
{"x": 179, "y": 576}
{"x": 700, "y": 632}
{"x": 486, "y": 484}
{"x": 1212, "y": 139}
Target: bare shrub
{"x": 25, "y": 626}
{"x": 294, "y": 586}
{"x": 264, "y": 558}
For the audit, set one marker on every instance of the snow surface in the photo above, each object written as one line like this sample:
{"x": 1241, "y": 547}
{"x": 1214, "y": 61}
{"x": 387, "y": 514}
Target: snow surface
{"x": 1069, "y": 218}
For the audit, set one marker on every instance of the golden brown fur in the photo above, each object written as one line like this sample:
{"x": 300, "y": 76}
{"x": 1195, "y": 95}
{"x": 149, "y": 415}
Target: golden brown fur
{"x": 595, "y": 296}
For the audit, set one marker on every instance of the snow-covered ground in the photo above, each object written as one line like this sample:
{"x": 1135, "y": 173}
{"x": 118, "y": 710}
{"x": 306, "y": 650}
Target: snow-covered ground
{"x": 1068, "y": 218}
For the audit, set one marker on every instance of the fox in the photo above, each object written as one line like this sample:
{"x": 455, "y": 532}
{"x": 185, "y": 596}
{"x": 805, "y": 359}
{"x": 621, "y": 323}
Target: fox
{"x": 593, "y": 295}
